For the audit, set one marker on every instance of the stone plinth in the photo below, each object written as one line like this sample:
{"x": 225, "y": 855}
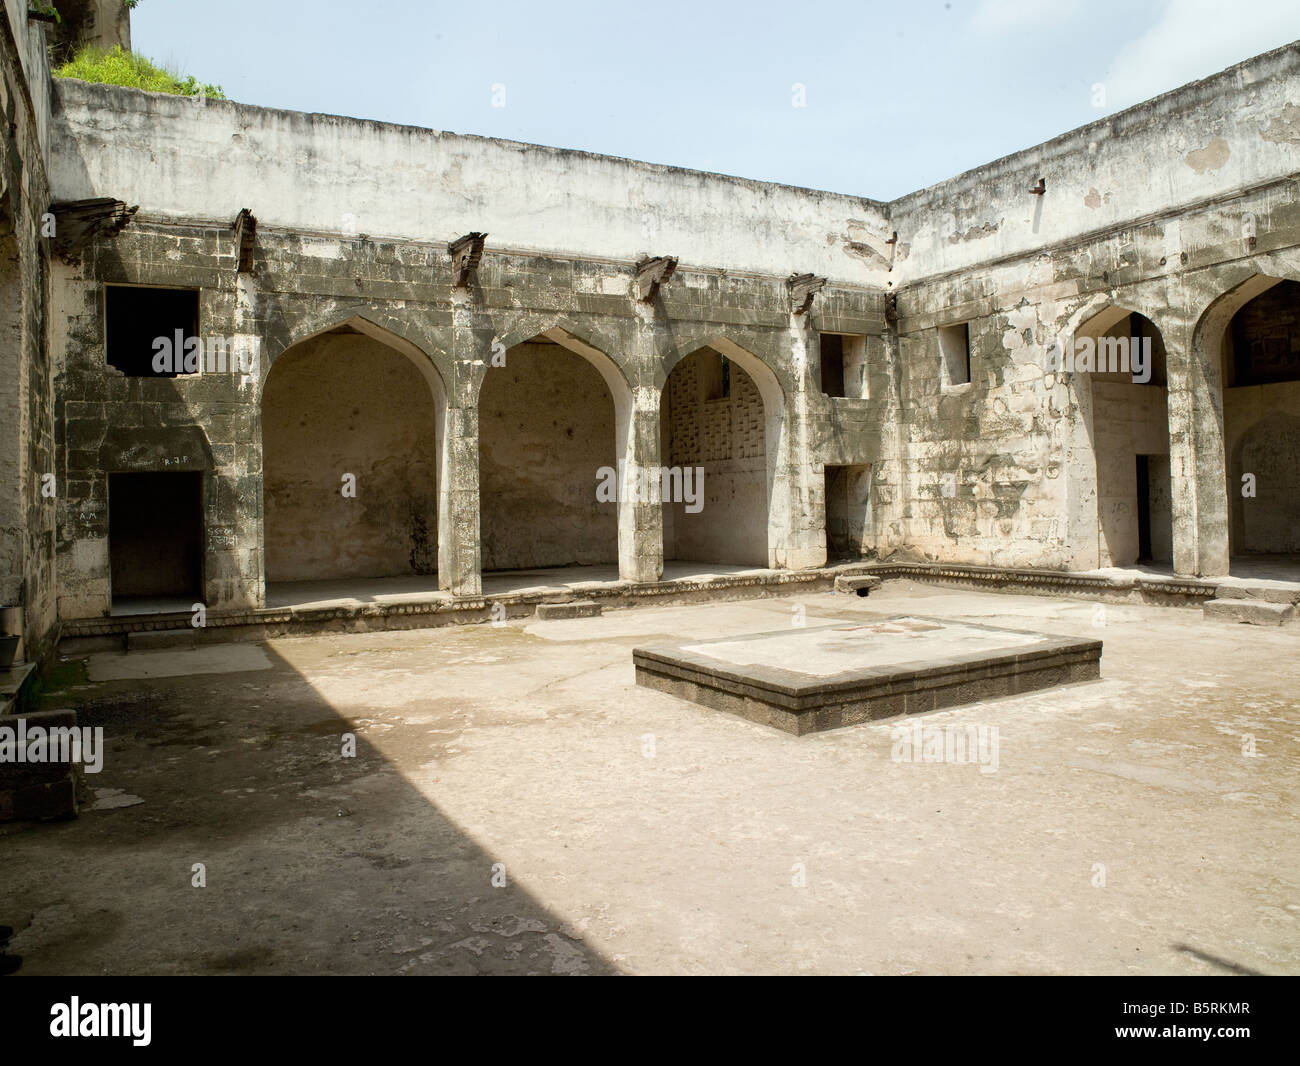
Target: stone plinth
{"x": 807, "y": 680}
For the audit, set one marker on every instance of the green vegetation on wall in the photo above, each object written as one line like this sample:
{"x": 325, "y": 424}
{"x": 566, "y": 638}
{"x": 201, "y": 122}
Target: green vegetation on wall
{"x": 118, "y": 67}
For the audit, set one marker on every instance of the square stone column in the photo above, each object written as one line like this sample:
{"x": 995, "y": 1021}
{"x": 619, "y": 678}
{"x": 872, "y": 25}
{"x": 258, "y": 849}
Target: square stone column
{"x": 640, "y": 517}
{"x": 458, "y": 481}
{"x": 1196, "y": 458}
{"x": 796, "y": 485}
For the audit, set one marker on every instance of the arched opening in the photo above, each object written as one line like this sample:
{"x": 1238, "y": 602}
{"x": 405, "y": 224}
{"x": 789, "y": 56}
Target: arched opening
{"x": 351, "y": 444}
{"x": 1260, "y": 364}
{"x": 552, "y": 421}
{"x": 1120, "y": 354}
{"x": 720, "y": 419}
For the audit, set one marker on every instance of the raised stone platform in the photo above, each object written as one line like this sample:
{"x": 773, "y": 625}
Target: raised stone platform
{"x": 807, "y": 680}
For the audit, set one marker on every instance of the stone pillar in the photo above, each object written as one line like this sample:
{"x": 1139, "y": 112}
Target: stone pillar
{"x": 458, "y": 484}
{"x": 243, "y": 557}
{"x": 797, "y": 503}
{"x": 641, "y": 522}
{"x": 1079, "y": 470}
{"x": 1196, "y": 457}
{"x": 640, "y": 518}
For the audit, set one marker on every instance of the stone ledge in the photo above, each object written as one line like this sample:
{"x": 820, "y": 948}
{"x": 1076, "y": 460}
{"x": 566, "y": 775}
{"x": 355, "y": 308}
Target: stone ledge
{"x": 12, "y": 683}
{"x": 1252, "y": 612}
{"x": 1263, "y": 593}
{"x": 84, "y": 635}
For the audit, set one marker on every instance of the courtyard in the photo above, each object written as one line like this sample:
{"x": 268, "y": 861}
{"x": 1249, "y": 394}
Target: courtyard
{"x": 517, "y": 804}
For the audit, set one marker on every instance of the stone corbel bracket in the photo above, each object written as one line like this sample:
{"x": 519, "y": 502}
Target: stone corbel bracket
{"x": 891, "y": 309}
{"x": 465, "y": 253}
{"x": 77, "y": 222}
{"x": 245, "y": 233}
{"x": 651, "y": 273}
{"x": 803, "y": 287}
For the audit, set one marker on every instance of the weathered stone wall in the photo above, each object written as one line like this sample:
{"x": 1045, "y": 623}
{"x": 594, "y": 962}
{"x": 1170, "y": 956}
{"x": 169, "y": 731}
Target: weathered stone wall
{"x": 27, "y": 460}
{"x": 1202, "y": 144}
{"x": 1006, "y": 469}
{"x": 1214, "y": 207}
{"x": 1019, "y": 425}
{"x": 400, "y": 293}
{"x": 328, "y": 174}
{"x": 114, "y": 423}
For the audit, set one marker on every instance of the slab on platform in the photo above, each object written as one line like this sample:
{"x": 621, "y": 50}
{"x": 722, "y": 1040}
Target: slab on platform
{"x": 807, "y": 680}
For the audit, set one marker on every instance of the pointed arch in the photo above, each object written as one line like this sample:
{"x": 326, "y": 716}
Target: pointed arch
{"x": 378, "y": 326}
{"x": 725, "y": 533}
{"x": 569, "y": 518}
{"x": 1119, "y": 486}
{"x": 344, "y": 402}
{"x": 1245, "y": 337}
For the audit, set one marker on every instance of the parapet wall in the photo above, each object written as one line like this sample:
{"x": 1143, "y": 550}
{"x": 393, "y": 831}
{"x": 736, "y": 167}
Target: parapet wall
{"x": 188, "y": 159}
{"x": 1205, "y": 142}
{"x": 181, "y": 158}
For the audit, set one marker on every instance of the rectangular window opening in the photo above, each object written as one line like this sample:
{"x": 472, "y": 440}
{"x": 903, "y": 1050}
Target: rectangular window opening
{"x": 954, "y": 348}
{"x": 844, "y": 365}
{"x": 146, "y": 330}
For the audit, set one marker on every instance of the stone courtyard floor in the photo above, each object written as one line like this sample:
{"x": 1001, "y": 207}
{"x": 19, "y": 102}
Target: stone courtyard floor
{"x": 1125, "y": 830}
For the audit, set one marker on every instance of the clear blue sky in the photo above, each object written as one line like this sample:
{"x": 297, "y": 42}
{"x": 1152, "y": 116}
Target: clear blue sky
{"x": 898, "y": 95}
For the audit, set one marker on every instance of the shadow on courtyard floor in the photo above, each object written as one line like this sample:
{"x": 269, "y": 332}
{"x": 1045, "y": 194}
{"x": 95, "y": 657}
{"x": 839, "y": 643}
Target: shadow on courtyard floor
{"x": 314, "y": 863}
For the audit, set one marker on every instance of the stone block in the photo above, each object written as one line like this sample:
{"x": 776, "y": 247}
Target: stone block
{"x": 572, "y": 609}
{"x": 39, "y": 802}
{"x": 1252, "y": 612}
{"x": 856, "y": 584}
{"x": 1264, "y": 593}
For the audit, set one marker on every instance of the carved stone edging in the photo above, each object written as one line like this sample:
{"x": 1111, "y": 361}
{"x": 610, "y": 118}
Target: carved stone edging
{"x": 451, "y": 610}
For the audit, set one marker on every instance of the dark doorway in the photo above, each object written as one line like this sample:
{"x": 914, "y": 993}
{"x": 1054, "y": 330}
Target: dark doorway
{"x": 155, "y": 537}
{"x": 1144, "y": 509}
{"x": 848, "y": 512}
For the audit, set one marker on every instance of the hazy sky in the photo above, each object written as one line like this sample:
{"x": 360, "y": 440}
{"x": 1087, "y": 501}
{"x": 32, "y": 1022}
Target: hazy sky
{"x": 896, "y": 95}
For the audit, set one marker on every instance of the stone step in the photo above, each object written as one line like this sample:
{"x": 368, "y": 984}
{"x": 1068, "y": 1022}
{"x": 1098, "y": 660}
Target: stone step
{"x": 861, "y": 584}
{"x": 1253, "y": 612}
{"x": 571, "y": 609}
{"x": 156, "y": 639}
{"x": 75, "y": 647}
{"x": 1264, "y": 593}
